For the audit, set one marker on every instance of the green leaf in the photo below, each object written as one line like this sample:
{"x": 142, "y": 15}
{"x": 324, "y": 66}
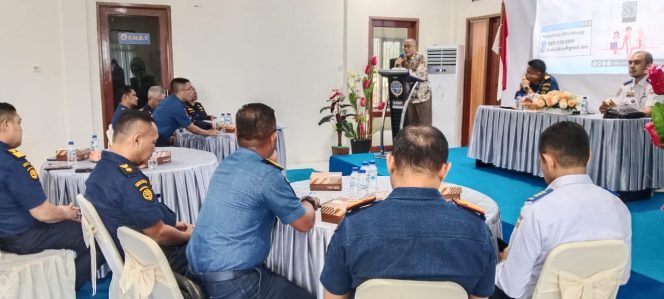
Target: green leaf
{"x": 658, "y": 119}
{"x": 324, "y": 108}
{"x": 325, "y": 119}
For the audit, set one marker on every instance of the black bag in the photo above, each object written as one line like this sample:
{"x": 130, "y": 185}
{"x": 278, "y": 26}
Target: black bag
{"x": 623, "y": 112}
{"x": 189, "y": 289}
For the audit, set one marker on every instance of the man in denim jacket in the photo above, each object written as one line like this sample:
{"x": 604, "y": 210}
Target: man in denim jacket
{"x": 414, "y": 234}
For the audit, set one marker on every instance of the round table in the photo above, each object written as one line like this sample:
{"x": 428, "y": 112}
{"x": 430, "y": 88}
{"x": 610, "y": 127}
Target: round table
{"x": 182, "y": 183}
{"x": 224, "y": 144}
{"x": 299, "y": 257}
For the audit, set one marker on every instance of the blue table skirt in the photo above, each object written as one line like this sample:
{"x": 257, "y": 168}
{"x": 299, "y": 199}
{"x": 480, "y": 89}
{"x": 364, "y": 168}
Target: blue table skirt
{"x": 345, "y": 164}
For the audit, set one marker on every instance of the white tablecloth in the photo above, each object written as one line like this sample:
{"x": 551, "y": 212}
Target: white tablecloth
{"x": 48, "y": 274}
{"x": 300, "y": 256}
{"x": 224, "y": 144}
{"x": 182, "y": 183}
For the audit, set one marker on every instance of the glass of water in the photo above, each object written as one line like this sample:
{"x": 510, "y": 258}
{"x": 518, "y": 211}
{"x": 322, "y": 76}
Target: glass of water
{"x": 152, "y": 163}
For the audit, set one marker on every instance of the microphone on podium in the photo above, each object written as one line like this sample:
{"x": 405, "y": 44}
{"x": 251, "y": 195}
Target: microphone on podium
{"x": 402, "y": 55}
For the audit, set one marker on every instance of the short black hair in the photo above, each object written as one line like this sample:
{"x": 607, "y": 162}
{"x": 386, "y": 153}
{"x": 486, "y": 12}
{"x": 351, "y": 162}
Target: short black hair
{"x": 128, "y": 119}
{"x": 6, "y": 110}
{"x": 254, "y": 122}
{"x": 178, "y": 83}
{"x": 124, "y": 90}
{"x": 420, "y": 148}
{"x": 568, "y": 143}
{"x": 538, "y": 65}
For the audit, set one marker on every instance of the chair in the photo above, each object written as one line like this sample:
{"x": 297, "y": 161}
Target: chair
{"x": 585, "y": 270}
{"x": 402, "y": 289}
{"x": 94, "y": 229}
{"x": 146, "y": 273}
{"x": 109, "y": 135}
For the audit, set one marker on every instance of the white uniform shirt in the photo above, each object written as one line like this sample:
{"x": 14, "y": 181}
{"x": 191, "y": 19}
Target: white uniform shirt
{"x": 637, "y": 95}
{"x": 572, "y": 209}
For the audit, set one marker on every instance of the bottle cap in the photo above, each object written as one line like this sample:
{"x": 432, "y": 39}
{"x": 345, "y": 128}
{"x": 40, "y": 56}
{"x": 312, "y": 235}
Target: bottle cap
{"x": 355, "y": 168}
{"x": 70, "y": 142}
{"x": 363, "y": 171}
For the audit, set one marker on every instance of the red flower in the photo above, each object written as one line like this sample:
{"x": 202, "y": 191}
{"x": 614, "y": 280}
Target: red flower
{"x": 367, "y": 69}
{"x": 361, "y": 129}
{"x": 336, "y": 93}
{"x": 374, "y": 60}
{"x": 381, "y": 105}
{"x": 363, "y": 102}
{"x": 654, "y": 137}
{"x": 365, "y": 83}
{"x": 656, "y": 76}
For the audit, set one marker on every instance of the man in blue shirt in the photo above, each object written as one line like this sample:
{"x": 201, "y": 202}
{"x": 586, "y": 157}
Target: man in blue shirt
{"x": 29, "y": 223}
{"x": 127, "y": 102}
{"x": 536, "y": 80}
{"x": 197, "y": 113}
{"x": 123, "y": 195}
{"x": 171, "y": 114}
{"x": 234, "y": 228}
{"x": 414, "y": 234}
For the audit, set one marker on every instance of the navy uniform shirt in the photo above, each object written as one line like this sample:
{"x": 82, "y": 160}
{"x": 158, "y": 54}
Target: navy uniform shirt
{"x": 198, "y": 115}
{"x": 147, "y": 109}
{"x": 413, "y": 234}
{"x": 234, "y": 227}
{"x": 123, "y": 196}
{"x": 549, "y": 83}
{"x": 20, "y": 191}
{"x": 118, "y": 111}
{"x": 170, "y": 115}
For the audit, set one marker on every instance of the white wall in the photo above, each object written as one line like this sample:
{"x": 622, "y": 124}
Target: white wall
{"x": 288, "y": 54}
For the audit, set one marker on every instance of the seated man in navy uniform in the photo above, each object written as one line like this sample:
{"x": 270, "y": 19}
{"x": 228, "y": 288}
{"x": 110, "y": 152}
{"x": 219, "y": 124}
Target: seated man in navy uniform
{"x": 228, "y": 249}
{"x": 128, "y": 101}
{"x": 197, "y": 112}
{"x": 155, "y": 95}
{"x": 171, "y": 114}
{"x": 414, "y": 234}
{"x": 571, "y": 209}
{"x": 123, "y": 195}
{"x": 636, "y": 92}
{"x": 29, "y": 223}
{"x": 536, "y": 80}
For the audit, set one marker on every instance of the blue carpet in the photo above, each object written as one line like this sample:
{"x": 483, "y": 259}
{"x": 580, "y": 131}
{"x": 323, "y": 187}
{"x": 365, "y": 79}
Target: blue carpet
{"x": 296, "y": 175}
{"x": 510, "y": 189}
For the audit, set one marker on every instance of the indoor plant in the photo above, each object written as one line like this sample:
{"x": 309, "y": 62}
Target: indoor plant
{"x": 362, "y": 103}
{"x": 338, "y": 115}
{"x": 556, "y": 102}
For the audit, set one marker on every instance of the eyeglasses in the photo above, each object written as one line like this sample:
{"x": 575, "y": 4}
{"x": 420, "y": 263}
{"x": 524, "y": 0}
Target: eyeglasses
{"x": 408, "y": 46}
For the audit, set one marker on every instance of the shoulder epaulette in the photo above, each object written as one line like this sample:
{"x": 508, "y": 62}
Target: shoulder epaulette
{"x": 628, "y": 81}
{"x": 273, "y": 164}
{"x": 539, "y": 195}
{"x": 469, "y": 206}
{"x": 16, "y": 153}
{"x": 547, "y": 77}
{"x": 127, "y": 170}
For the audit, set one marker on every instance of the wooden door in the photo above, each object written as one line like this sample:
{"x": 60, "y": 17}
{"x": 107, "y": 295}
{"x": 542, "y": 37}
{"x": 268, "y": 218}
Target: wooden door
{"x": 134, "y": 50}
{"x": 481, "y": 77}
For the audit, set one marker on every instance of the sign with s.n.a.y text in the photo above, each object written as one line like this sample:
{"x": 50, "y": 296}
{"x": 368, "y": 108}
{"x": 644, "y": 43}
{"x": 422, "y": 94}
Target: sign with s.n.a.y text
{"x": 134, "y": 38}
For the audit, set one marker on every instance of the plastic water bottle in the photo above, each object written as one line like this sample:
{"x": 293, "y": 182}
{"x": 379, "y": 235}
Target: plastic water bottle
{"x": 362, "y": 186}
{"x": 372, "y": 173}
{"x": 354, "y": 180}
{"x": 222, "y": 122}
{"x": 365, "y": 165}
{"x": 94, "y": 143}
{"x": 584, "y": 106}
{"x": 71, "y": 153}
{"x": 229, "y": 118}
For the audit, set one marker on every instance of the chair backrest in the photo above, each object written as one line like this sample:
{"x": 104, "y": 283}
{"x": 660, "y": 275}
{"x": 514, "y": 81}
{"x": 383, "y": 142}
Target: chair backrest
{"x": 147, "y": 273}
{"x": 109, "y": 135}
{"x": 91, "y": 218}
{"x": 402, "y": 289}
{"x": 591, "y": 269}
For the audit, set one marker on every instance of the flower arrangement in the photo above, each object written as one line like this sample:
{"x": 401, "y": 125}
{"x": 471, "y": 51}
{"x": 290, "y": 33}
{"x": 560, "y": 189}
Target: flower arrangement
{"x": 362, "y": 101}
{"x": 655, "y": 128}
{"x": 556, "y": 99}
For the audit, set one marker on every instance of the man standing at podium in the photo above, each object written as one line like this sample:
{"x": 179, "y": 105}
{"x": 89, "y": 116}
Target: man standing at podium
{"x": 419, "y": 108}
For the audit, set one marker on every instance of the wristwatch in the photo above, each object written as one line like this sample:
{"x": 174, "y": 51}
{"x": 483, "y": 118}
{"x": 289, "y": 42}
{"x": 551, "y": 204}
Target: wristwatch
{"x": 315, "y": 202}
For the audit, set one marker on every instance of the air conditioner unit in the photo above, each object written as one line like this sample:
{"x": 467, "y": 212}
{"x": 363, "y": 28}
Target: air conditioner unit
{"x": 445, "y": 68}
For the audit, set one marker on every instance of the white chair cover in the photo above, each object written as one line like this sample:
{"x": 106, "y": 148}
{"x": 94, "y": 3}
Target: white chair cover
{"x": 94, "y": 229}
{"x": 402, "y": 289}
{"x": 146, "y": 273}
{"x": 47, "y": 274}
{"x": 583, "y": 270}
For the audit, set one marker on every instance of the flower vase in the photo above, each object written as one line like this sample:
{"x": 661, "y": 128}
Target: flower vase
{"x": 360, "y": 146}
{"x": 558, "y": 111}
